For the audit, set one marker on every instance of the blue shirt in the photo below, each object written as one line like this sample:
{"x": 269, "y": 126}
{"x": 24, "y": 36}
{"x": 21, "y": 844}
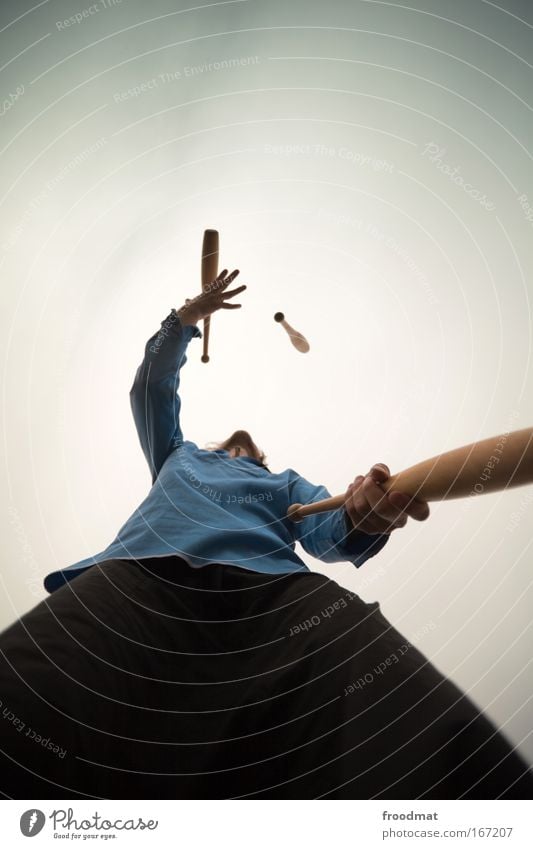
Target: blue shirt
{"x": 206, "y": 506}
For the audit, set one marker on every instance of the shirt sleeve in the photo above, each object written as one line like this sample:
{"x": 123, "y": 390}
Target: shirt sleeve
{"x": 154, "y": 398}
{"x": 330, "y": 536}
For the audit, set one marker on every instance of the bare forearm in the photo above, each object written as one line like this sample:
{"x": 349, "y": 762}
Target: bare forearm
{"x": 188, "y": 315}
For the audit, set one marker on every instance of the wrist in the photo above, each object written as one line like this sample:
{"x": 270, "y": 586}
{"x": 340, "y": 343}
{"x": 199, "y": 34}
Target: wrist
{"x": 351, "y": 529}
{"x": 187, "y": 315}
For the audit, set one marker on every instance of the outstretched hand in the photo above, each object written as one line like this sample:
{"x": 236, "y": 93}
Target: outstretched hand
{"x": 214, "y": 297}
{"x": 373, "y": 511}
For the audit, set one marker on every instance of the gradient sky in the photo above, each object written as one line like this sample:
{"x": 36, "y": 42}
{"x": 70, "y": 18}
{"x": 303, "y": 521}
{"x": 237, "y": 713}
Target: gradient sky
{"x": 368, "y": 166}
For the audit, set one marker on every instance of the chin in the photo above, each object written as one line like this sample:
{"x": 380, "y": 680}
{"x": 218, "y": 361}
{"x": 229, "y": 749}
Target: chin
{"x": 243, "y": 438}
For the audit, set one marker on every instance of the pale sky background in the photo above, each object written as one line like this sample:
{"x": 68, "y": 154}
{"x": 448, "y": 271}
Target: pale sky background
{"x": 368, "y": 165}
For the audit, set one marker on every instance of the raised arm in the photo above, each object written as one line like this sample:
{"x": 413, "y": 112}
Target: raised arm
{"x": 154, "y": 398}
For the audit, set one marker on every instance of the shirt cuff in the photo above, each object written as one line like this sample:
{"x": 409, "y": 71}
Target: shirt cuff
{"x": 356, "y": 544}
{"x": 174, "y": 325}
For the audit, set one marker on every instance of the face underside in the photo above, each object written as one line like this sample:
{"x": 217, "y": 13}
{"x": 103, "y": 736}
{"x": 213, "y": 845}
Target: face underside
{"x": 241, "y": 444}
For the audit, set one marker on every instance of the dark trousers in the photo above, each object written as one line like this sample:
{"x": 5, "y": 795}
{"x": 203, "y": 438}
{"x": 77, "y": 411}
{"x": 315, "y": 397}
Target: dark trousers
{"x": 156, "y": 680}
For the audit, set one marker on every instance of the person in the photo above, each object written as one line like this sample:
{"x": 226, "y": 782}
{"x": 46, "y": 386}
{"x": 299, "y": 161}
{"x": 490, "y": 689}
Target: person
{"x": 197, "y": 656}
